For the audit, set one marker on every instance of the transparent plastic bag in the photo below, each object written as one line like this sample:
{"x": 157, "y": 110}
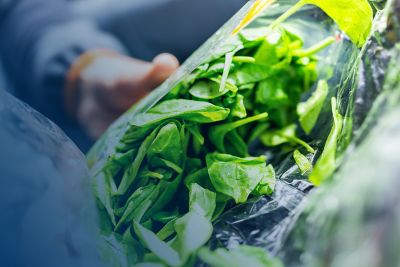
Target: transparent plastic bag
{"x": 263, "y": 221}
{"x": 48, "y": 217}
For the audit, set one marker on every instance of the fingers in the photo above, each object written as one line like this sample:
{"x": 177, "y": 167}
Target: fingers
{"x": 111, "y": 85}
{"x": 163, "y": 66}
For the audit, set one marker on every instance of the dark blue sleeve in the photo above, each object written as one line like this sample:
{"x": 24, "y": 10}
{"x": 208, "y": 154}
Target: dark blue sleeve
{"x": 39, "y": 41}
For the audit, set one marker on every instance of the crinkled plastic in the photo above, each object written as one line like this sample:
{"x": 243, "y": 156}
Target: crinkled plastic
{"x": 355, "y": 220}
{"x": 48, "y": 217}
{"x": 355, "y": 79}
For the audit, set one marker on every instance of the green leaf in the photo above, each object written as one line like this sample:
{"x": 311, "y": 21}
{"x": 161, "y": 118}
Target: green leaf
{"x": 196, "y": 111}
{"x": 309, "y": 111}
{"x": 238, "y": 109}
{"x": 353, "y": 17}
{"x": 202, "y": 200}
{"x": 150, "y": 264}
{"x": 167, "y": 191}
{"x": 302, "y": 162}
{"x": 199, "y": 177}
{"x": 137, "y": 205}
{"x": 193, "y": 231}
{"x": 161, "y": 249}
{"x": 131, "y": 173}
{"x": 235, "y": 177}
{"x": 167, "y": 145}
{"x": 217, "y": 133}
{"x": 267, "y": 183}
{"x": 207, "y": 89}
{"x": 168, "y": 230}
{"x": 271, "y": 93}
{"x": 281, "y": 136}
{"x": 121, "y": 251}
{"x": 250, "y": 73}
{"x": 165, "y": 216}
{"x": 325, "y": 165}
{"x": 238, "y": 257}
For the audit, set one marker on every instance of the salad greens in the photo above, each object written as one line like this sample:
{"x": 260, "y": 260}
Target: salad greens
{"x": 183, "y": 162}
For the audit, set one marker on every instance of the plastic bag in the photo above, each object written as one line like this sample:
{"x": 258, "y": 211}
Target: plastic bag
{"x": 264, "y": 221}
{"x": 355, "y": 221}
{"x": 48, "y": 217}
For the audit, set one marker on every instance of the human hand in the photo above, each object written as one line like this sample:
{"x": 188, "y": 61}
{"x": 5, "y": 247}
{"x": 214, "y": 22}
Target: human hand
{"x": 107, "y": 84}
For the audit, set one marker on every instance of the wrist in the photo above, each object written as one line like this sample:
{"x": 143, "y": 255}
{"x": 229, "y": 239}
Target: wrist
{"x": 71, "y": 91}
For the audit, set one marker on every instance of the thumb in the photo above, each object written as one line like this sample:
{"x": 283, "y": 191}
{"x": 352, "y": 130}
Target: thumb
{"x": 163, "y": 66}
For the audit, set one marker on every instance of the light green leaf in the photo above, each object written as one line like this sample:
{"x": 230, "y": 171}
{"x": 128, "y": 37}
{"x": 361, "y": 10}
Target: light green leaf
{"x": 309, "y": 111}
{"x": 202, "y": 200}
{"x": 236, "y": 177}
{"x": 325, "y": 165}
{"x": 302, "y": 162}
{"x": 267, "y": 183}
{"x": 161, "y": 249}
{"x": 193, "y": 231}
{"x": 281, "y": 136}
{"x": 196, "y": 111}
{"x": 238, "y": 257}
{"x": 353, "y": 17}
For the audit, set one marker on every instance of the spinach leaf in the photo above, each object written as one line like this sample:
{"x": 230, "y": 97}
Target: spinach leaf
{"x": 235, "y": 177}
{"x": 241, "y": 256}
{"x": 131, "y": 173}
{"x": 193, "y": 231}
{"x": 309, "y": 111}
{"x": 325, "y": 165}
{"x": 302, "y": 162}
{"x": 168, "y": 230}
{"x": 199, "y": 177}
{"x": 167, "y": 145}
{"x": 217, "y": 133}
{"x": 238, "y": 109}
{"x": 167, "y": 192}
{"x": 267, "y": 183}
{"x": 150, "y": 264}
{"x": 141, "y": 198}
{"x": 281, "y": 136}
{"x": 352, "y": 17}
{"x": 250, "y": 73}
{"x": 161, "y": 249}
{"x": 202, "y": 201}
{"x": 271, "y": 93}
{"x": 207, "y": 89}
{"x": 196, "y": 111}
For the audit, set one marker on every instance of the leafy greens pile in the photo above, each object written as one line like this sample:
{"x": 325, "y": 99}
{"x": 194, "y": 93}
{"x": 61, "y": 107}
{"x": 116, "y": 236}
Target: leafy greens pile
{"x": 187, "y": 159}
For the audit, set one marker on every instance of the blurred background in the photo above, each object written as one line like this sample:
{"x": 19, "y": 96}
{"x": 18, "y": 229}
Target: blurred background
{"x": 84, "y": 62}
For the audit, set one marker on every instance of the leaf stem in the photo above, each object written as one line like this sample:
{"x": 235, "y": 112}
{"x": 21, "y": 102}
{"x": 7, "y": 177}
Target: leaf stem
{"x": 315, "y": 48}
{"x": 288, "y": 13}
